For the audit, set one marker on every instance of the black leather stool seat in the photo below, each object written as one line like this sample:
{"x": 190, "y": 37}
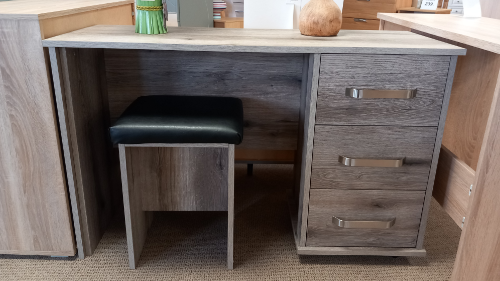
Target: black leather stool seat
{"x": 180, "y": 119}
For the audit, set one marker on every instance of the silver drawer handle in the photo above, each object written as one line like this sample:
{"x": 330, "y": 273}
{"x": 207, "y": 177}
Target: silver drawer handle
{"x": 380, "y": 94}
{"x": 364, "y": 162}
{"x": 363, "y": 224}
{"x": 359, "y": 20}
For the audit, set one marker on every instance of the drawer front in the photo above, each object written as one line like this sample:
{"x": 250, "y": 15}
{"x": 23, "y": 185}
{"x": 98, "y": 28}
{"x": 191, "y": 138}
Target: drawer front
{"x": 360, "y": 24}
{"x": 425, "y": 74}
{"x": 367, "y": 9}
{"x": 372, "y": 211}
{"x": 414, "y": 144}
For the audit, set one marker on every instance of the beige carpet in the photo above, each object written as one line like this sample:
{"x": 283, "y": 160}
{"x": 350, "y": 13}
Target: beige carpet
{"x": 191, "y": 246}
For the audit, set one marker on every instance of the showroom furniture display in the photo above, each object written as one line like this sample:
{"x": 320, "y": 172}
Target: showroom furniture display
{"x": 467, "y": 180}
{"x": 197, "y": 135}
{"x": 362, "y": 14}
{"x": 386, "y": 92}
{"x": 35, "y": 215}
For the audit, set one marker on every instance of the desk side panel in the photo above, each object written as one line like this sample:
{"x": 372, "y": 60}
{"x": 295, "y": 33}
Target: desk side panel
{"x": 34, "y": 207}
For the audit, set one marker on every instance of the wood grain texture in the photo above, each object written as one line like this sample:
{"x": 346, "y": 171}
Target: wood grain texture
{"x": 478, "y": 255}
{"x": 265, "y": 156}
{"x": 84, "y": 131}
{"x": 369, "y": 9}
{"x": 269, "y": 86}
{"x": 308, "y": 124}
{"x": 481, "y": 33}
{"x": 179, "y": 179}
{"x": 351, "y": 24}
{"x": 230, "y": 206}
{"x": 490, "y": 9}
{"x": 36, "y": 9}
{"x": 451, "y": 188}
{"x": 320, "y": 18}
{"x": 387, "y": 25}
{"x": 252, "y": 40}
{"x": 34, "y": 207}
{"x": 364, "y": 205}
{"x": 416, "y": 144}
{"x": 473, "y": 89}
{"x": 426, "y": 74}
{"x": 119, "y": 15}
{"x": 435, "y": 156}
{"x": 137, "y": 221}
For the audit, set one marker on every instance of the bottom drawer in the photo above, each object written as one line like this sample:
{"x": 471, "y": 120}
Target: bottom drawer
{"x": 366, "y": 210}
{"x": 360, "y": 24}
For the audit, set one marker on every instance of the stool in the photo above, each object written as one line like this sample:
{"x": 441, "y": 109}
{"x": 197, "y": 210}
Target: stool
{"x": 186, "y": 127}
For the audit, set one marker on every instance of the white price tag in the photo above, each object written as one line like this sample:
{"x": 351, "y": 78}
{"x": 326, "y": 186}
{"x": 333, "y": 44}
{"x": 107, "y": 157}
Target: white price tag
{"x": 429, "y": 4}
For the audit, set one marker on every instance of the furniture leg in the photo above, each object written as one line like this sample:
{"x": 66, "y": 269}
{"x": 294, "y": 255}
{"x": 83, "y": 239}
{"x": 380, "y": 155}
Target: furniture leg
{"x": 136, "y": 220}
{"x": 230, "y": 205}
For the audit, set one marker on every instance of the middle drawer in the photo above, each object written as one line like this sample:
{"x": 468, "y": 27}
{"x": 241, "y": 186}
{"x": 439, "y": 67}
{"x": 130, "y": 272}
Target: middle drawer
{"x": 377, "y": 145}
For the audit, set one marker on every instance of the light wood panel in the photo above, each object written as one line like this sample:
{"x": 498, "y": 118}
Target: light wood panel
{"x": 252, "y": 40}
{"x": 84, "y": 119}
{"x": 469, "y": 104}
{"x": 490, "y": 8}
{"x": 34, "y": 207}
{"x": 36, "y": 9}
{"x": 119, "y": 15}
{"x": 426, "y": 74}
{"x": 478, "y": 256}
{"x": 307, "y": 122}
{"x": 415, "y": 144}
{"x": 364, "y": 205}
{"x": 269, "y": 86}
{"x": 476, "y": 32}
{"x": 451, "y": 188}
{"x": 369, "y": 9}
{"x": 386, "y": 25}
{"x": 179, "y": 179}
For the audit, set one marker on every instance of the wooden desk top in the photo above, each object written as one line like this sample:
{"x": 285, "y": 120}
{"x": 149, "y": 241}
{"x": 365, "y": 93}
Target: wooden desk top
{"x": 253, "y": 40}
{"x": 417, "y": 10}
{"x": 482, "y": 33}
{"x": 44, "y": 9}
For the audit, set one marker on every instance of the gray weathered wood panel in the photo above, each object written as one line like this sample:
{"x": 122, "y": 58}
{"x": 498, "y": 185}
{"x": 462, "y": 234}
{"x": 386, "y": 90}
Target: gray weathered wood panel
{"x": 83, "y": 109}
{"x": 378, "y": 142}
{"x": 364, "y": 205}
{"x": 427, "y": 74}
{"x": 179, "y": 179}
{"x": 268, "y": 84}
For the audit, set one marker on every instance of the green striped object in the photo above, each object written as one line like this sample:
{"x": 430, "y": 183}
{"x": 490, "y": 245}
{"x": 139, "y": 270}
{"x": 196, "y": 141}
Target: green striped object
{"x": 150, "y": 18}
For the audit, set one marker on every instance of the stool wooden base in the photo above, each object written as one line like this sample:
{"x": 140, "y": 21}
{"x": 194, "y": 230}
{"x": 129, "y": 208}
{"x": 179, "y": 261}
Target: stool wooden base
{"x": 138, "y": 217}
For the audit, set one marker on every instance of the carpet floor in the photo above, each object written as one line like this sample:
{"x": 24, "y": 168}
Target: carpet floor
{"x": 192, "y": 246}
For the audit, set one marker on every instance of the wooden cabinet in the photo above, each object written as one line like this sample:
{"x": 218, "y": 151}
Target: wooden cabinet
{"x": 229, "y": 23}
{"x": 362, "y": 14}
{"x": 378, "y": 123}
{"x": 35, "y": 216}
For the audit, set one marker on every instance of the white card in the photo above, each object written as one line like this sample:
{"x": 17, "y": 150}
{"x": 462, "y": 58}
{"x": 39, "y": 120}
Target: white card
{"x": 472, "y": 9}
{"x": 429, "y": 4}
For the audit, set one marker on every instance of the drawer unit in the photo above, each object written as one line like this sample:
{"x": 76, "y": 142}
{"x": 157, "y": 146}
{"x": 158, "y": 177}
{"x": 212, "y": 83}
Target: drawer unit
{"x": 425, "y": 76}
{"x": 362, "y": 14}
{"x": 367, "y": 9}
{"x": 367, "y": 218}
{"x": 360, "y": 24}
{"x": 410, "y": 148}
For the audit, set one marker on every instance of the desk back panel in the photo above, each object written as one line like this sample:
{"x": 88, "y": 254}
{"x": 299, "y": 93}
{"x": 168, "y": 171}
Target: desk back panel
{"x": 268, "y": 84}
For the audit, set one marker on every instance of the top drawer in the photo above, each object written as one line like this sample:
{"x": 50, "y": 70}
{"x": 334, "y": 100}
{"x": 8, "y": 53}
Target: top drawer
{"x": 368, "y": 9}
{"x": 425, "y": 74}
